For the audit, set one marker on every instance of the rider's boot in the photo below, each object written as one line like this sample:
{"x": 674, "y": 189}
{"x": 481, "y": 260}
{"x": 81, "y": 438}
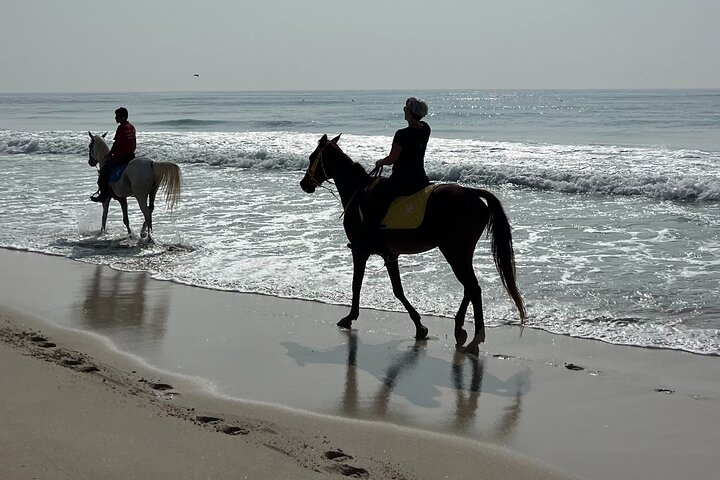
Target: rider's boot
{"x": 103, "y": 188}
{"x": 100, "y": 196}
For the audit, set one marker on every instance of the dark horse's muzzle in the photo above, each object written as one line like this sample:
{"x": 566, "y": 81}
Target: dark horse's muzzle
{"x": 308, "y": 184}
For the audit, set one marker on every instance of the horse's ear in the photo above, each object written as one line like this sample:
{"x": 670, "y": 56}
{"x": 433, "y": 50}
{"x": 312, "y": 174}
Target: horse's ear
{"x": 103, "y": 135}
{"x": 91, "y": 136}
{"x": 335, "y": 140}
{"x": 323, "y": 139}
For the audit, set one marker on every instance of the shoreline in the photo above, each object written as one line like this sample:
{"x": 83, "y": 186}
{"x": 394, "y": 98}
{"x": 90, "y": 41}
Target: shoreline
{"x": 545, "y": 403}
{"x": 321, "y": 303}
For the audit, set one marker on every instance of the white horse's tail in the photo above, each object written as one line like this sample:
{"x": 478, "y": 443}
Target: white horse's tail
{"x": 168, "y": 176}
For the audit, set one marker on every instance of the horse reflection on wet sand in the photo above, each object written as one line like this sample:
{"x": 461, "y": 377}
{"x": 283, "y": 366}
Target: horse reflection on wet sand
{"x": 454, "y": 220}
{"x": 117, "y": 303}
{"x": 393, "y": 368}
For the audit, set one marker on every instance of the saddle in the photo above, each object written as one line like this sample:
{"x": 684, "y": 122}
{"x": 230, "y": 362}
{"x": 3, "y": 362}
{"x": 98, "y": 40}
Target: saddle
{"x": 407, "y": 212}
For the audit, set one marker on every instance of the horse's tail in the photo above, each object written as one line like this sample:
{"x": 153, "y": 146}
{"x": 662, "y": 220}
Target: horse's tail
{"x": 169, "y": 177}
{"x": 502, "y": 248}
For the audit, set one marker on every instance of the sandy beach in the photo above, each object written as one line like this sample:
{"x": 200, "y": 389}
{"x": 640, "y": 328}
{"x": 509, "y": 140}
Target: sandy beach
{"x": 111, "y": 374}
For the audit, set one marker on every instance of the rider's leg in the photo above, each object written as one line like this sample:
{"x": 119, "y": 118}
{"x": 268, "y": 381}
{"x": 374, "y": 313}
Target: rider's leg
{"x": 375, "y": 205}
{"x": 103, "y": 183}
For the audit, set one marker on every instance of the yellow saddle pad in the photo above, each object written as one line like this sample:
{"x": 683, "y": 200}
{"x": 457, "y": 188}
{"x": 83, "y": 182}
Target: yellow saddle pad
{"x": 408, "y": 212}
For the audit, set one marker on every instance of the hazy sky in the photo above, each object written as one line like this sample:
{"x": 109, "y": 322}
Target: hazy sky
{"x": 157, "y": 45}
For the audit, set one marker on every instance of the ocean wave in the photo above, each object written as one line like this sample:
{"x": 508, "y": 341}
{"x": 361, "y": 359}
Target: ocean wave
{"x": 652, "y": 186}
{"x": 287, "y": 125}
{"x": 21, "y": 145}
{"x": 188, "y": 123}
{"x": 659, "y": 173}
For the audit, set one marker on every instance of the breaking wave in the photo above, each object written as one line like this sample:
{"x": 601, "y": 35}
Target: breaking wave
{"x": 658, "y": 173}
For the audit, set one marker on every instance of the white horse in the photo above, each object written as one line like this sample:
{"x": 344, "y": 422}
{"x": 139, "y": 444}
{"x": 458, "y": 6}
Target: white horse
{"x": 141, "y": 179}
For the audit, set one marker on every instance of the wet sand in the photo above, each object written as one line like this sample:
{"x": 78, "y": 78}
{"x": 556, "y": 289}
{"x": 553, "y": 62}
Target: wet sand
{"x": 292, "y": 390}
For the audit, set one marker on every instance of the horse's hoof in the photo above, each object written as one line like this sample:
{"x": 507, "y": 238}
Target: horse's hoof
{"x": 472, "y": 350}
{"x": 422, "y": 334}
{"x": 345, "y": 323}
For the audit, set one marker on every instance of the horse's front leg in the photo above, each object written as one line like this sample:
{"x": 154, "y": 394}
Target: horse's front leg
{"x": 126, "y": 218}
{"x": 461, "y": 265}
{"x": 391, "y": 264}
{"x": 359, "y": 262}
{"x": 103, "y": 222}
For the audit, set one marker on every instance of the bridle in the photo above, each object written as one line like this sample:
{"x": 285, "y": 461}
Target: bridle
{"x": 91, "y": 160}
{"x": 316, "y": 164}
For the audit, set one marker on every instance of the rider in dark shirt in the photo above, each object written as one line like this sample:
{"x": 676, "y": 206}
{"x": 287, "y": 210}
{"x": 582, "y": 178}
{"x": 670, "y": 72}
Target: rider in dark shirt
{"x": 122, "y": 151}
{"x": 407, "y": 157}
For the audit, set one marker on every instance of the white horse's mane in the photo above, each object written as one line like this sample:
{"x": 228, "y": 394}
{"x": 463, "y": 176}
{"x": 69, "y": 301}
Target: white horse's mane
{"x": 100, "y": 148}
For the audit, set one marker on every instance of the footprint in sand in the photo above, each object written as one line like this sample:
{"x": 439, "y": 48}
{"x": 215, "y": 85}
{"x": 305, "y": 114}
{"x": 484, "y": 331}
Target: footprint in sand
{"x": 664, "y": 390}
{"x": 349, "y": 470}
{"x": 230, "y": 430}
{"x": 41, "y": 341}
{"x": 161, "y": 386}
{"x": 207, "y": 419}
{"x": 344, "y": 468}
{"x": 572, "y": 366}
{"x": 337, "y": 455}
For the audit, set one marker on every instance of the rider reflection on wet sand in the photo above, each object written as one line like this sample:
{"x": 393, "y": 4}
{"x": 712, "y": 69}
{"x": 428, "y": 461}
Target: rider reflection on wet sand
{"x": 465, "y": 376}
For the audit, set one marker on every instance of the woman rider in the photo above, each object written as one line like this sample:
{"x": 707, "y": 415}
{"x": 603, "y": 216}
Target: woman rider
{"x": 407, "y": 157}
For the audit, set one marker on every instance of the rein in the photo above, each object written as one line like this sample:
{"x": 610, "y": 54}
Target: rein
{"x": 375, "y": 173}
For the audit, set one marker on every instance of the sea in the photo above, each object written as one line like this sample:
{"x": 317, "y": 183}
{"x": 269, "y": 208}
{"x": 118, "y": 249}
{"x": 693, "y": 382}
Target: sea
{"x": 613, "y": 195}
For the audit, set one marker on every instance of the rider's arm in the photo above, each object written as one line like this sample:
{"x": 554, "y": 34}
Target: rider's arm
{"x": 392, "y": 157}
{"x": 114, "y": 147}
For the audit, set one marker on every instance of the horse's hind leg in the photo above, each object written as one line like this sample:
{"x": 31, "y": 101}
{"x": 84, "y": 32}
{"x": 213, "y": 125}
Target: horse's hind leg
{"x": 421, "y": 332}
{"x": 153, "y": 192}
{"x": 472, "y": 293}
{"x": 147, "y": 225}
{"x": 126, "y": 218}
{"x": 147, "y": 213}
{"x": 460, "y": 332}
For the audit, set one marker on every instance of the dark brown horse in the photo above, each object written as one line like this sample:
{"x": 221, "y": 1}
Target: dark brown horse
{"x": 454, "y": 220}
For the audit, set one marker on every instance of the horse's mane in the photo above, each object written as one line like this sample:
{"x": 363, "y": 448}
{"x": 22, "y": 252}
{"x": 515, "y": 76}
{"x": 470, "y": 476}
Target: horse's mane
{"x": 355, "y": 167}
{"x": 360, "y": 169}
{"x": 99, "y": 144}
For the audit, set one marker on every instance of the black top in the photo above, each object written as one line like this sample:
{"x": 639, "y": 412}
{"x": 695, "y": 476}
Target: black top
{"x": 410, "y": 167}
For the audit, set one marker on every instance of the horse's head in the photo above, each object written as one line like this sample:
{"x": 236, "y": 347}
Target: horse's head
{"x": 98, "y": 149}
{"x": 319, "y": 169}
